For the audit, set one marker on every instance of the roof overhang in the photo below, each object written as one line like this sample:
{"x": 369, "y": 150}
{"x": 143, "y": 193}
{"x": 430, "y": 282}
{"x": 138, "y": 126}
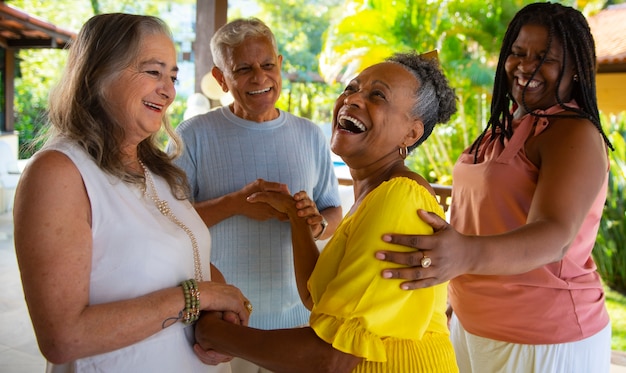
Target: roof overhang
{"x": 609, "y": 33}
{"x": 19, "y": 30}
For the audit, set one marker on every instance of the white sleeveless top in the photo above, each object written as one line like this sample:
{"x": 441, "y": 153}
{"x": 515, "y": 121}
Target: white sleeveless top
{"x": 137, "y": 250}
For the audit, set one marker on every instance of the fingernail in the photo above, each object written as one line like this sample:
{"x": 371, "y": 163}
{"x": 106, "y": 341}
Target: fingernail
{"x": 387, "y": 238}
{"x": 380, "y": 255}
{"x": 386, "y": 274}
{"x": 404, "y": 287}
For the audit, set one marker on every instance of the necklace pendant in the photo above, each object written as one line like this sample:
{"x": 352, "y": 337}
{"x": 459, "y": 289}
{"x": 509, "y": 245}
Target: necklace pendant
{"x": 164, "y": 208}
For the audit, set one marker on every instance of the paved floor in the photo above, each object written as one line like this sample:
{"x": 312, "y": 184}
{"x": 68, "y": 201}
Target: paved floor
{"x": 18, "y": 348}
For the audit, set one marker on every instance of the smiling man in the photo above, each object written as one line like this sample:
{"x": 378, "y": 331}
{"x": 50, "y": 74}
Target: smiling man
{"x": 251, "y": 146}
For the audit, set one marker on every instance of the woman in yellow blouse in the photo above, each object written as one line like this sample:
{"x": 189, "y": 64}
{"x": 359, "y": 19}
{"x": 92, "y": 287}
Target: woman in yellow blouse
{"x": 359, "y": 321}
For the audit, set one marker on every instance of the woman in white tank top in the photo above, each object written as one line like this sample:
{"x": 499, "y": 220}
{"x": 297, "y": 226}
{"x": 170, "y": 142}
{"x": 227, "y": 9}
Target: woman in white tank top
{"x": 114, "y": 259}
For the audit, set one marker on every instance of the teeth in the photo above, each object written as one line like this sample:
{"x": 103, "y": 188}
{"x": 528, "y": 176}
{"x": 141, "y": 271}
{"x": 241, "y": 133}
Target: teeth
{"x": 259, "y": 91}
{"x": 532, "y": 84}
{"x": 158, "y": 107}
{"x": 346, "y": 120}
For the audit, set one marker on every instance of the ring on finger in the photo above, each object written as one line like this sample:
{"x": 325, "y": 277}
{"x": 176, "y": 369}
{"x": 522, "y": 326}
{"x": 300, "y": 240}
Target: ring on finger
{"x": 426, "y": 261}
{"x": 248, "y": 306}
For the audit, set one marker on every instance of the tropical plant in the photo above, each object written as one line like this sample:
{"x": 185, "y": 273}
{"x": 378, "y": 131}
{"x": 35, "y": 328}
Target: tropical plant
{"x": 299, "y": 27}
{"x": 609, "y": 252}
{"x": 467, "y": 34}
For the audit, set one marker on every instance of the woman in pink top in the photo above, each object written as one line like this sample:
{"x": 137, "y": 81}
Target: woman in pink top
{"x": 526, "y": 204}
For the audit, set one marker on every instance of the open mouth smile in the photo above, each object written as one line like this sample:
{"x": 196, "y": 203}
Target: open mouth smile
{"x": 351, "y": 124}
{"x": 530, "y": 83}
{"x": 261, "y": 91}
{"x": 153, "y": 106}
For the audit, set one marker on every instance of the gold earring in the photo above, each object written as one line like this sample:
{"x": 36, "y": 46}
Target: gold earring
{"x": 403, "y": 152}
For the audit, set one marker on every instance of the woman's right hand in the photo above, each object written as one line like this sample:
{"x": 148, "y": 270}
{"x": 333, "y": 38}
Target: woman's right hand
{"x": 218, "y": 296}
{"x": 446, "y": 248}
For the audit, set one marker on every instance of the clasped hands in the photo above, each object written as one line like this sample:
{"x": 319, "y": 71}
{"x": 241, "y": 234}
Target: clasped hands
{"x": 278, "y": 198}
{"x": 204, "y": 352}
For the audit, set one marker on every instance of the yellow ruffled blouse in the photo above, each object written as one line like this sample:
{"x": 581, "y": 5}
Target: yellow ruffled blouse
{"x": 359, "y": 312}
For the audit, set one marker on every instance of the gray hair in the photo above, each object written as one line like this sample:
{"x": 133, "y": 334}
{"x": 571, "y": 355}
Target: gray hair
{"x": 234, "y": 33}
{"x": 435, "y": 101}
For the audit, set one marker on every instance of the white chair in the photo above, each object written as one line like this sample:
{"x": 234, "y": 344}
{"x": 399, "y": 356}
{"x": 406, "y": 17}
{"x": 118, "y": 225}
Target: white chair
{"x": 9, "y": 176}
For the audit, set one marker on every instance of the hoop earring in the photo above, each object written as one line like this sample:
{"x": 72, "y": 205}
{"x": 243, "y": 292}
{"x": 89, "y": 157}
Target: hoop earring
{"x": 403, "y": 150}
{"x": 575, "y": 78}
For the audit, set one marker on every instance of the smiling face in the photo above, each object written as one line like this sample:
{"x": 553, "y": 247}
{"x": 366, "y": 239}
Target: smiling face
{"x": 252, "y": 76}
{"x": 140, "y": 95}
{"x": 526, "y": 53}
{"x": 372, "y": 117}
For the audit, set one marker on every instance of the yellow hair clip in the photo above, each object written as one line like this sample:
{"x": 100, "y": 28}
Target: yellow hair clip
{"x": 431, "y": 55}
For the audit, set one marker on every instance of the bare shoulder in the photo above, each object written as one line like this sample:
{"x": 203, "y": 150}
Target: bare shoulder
{"x": 50, "y": 181}
{"x": 579, "y": 130}
{"x": 50, "y": 169}
{"x": 569, "y": 136}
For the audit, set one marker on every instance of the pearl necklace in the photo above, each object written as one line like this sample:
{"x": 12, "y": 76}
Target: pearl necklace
{"x": 164, "y": 208}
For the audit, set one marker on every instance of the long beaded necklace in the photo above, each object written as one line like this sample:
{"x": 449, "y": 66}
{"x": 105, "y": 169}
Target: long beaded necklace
{"x": 164, "y": 208}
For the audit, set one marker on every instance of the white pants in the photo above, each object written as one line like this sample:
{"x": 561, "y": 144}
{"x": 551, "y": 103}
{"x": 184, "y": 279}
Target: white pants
{"x": 476, "y": 354}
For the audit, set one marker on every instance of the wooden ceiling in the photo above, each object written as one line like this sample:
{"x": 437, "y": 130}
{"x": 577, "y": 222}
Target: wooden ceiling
{"x": 19, "y": 30}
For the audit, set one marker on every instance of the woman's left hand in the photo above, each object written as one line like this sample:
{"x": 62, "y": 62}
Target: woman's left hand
{"x": 210, "y": 357}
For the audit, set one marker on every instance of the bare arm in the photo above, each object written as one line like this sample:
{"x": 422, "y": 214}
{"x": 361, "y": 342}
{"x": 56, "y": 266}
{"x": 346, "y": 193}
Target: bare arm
{"x": 573, "y": 166}
{"x": 54, "y": 250}
{"x": 215, "y": 210}
{"x": 281, "y": 351}
{"x": 216, "y": 274}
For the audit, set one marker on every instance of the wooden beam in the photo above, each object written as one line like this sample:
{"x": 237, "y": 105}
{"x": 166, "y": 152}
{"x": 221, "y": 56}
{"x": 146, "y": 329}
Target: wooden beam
{"x": 210, "y": 15}
{"x": 8, "y": 77}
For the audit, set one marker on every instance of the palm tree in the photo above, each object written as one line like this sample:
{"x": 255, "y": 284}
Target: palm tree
{"x": 467, "y": 34}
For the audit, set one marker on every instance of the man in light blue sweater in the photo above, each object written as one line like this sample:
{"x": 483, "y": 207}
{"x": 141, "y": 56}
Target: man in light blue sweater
{"x": 252, "y": 146}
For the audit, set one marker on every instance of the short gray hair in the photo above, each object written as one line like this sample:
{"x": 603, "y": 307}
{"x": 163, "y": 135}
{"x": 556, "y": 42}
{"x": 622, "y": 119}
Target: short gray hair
{"x": 435, "y": 101}
{"x": 234, "y": 33}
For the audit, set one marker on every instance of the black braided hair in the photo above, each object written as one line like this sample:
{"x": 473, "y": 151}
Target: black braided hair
{"x": 435, "y": 101}
{"x": 570, "y": 27}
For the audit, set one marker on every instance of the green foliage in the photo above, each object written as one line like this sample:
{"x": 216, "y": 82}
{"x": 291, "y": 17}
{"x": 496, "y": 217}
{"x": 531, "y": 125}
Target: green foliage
{"x": 609, "y": 252}
{"x": 31, "y": 94}
{"x": 467, "y": 34}
{"x": 370, "y": 31}
{"x": 616, "y": 305}
{"x": 39, "y": 69}
{"x": 299, "y": 29}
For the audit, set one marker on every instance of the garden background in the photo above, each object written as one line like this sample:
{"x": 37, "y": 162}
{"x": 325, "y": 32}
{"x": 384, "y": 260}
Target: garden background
{"x": 325, "y": 42}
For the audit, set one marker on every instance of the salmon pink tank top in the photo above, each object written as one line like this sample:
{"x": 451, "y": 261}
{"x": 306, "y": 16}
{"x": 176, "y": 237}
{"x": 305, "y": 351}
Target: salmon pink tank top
{"x": 557, "y": 303}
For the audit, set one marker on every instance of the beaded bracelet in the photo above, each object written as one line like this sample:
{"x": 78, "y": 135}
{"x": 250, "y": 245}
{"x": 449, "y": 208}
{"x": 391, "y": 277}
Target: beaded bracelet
{"x": 191, "y": 312}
